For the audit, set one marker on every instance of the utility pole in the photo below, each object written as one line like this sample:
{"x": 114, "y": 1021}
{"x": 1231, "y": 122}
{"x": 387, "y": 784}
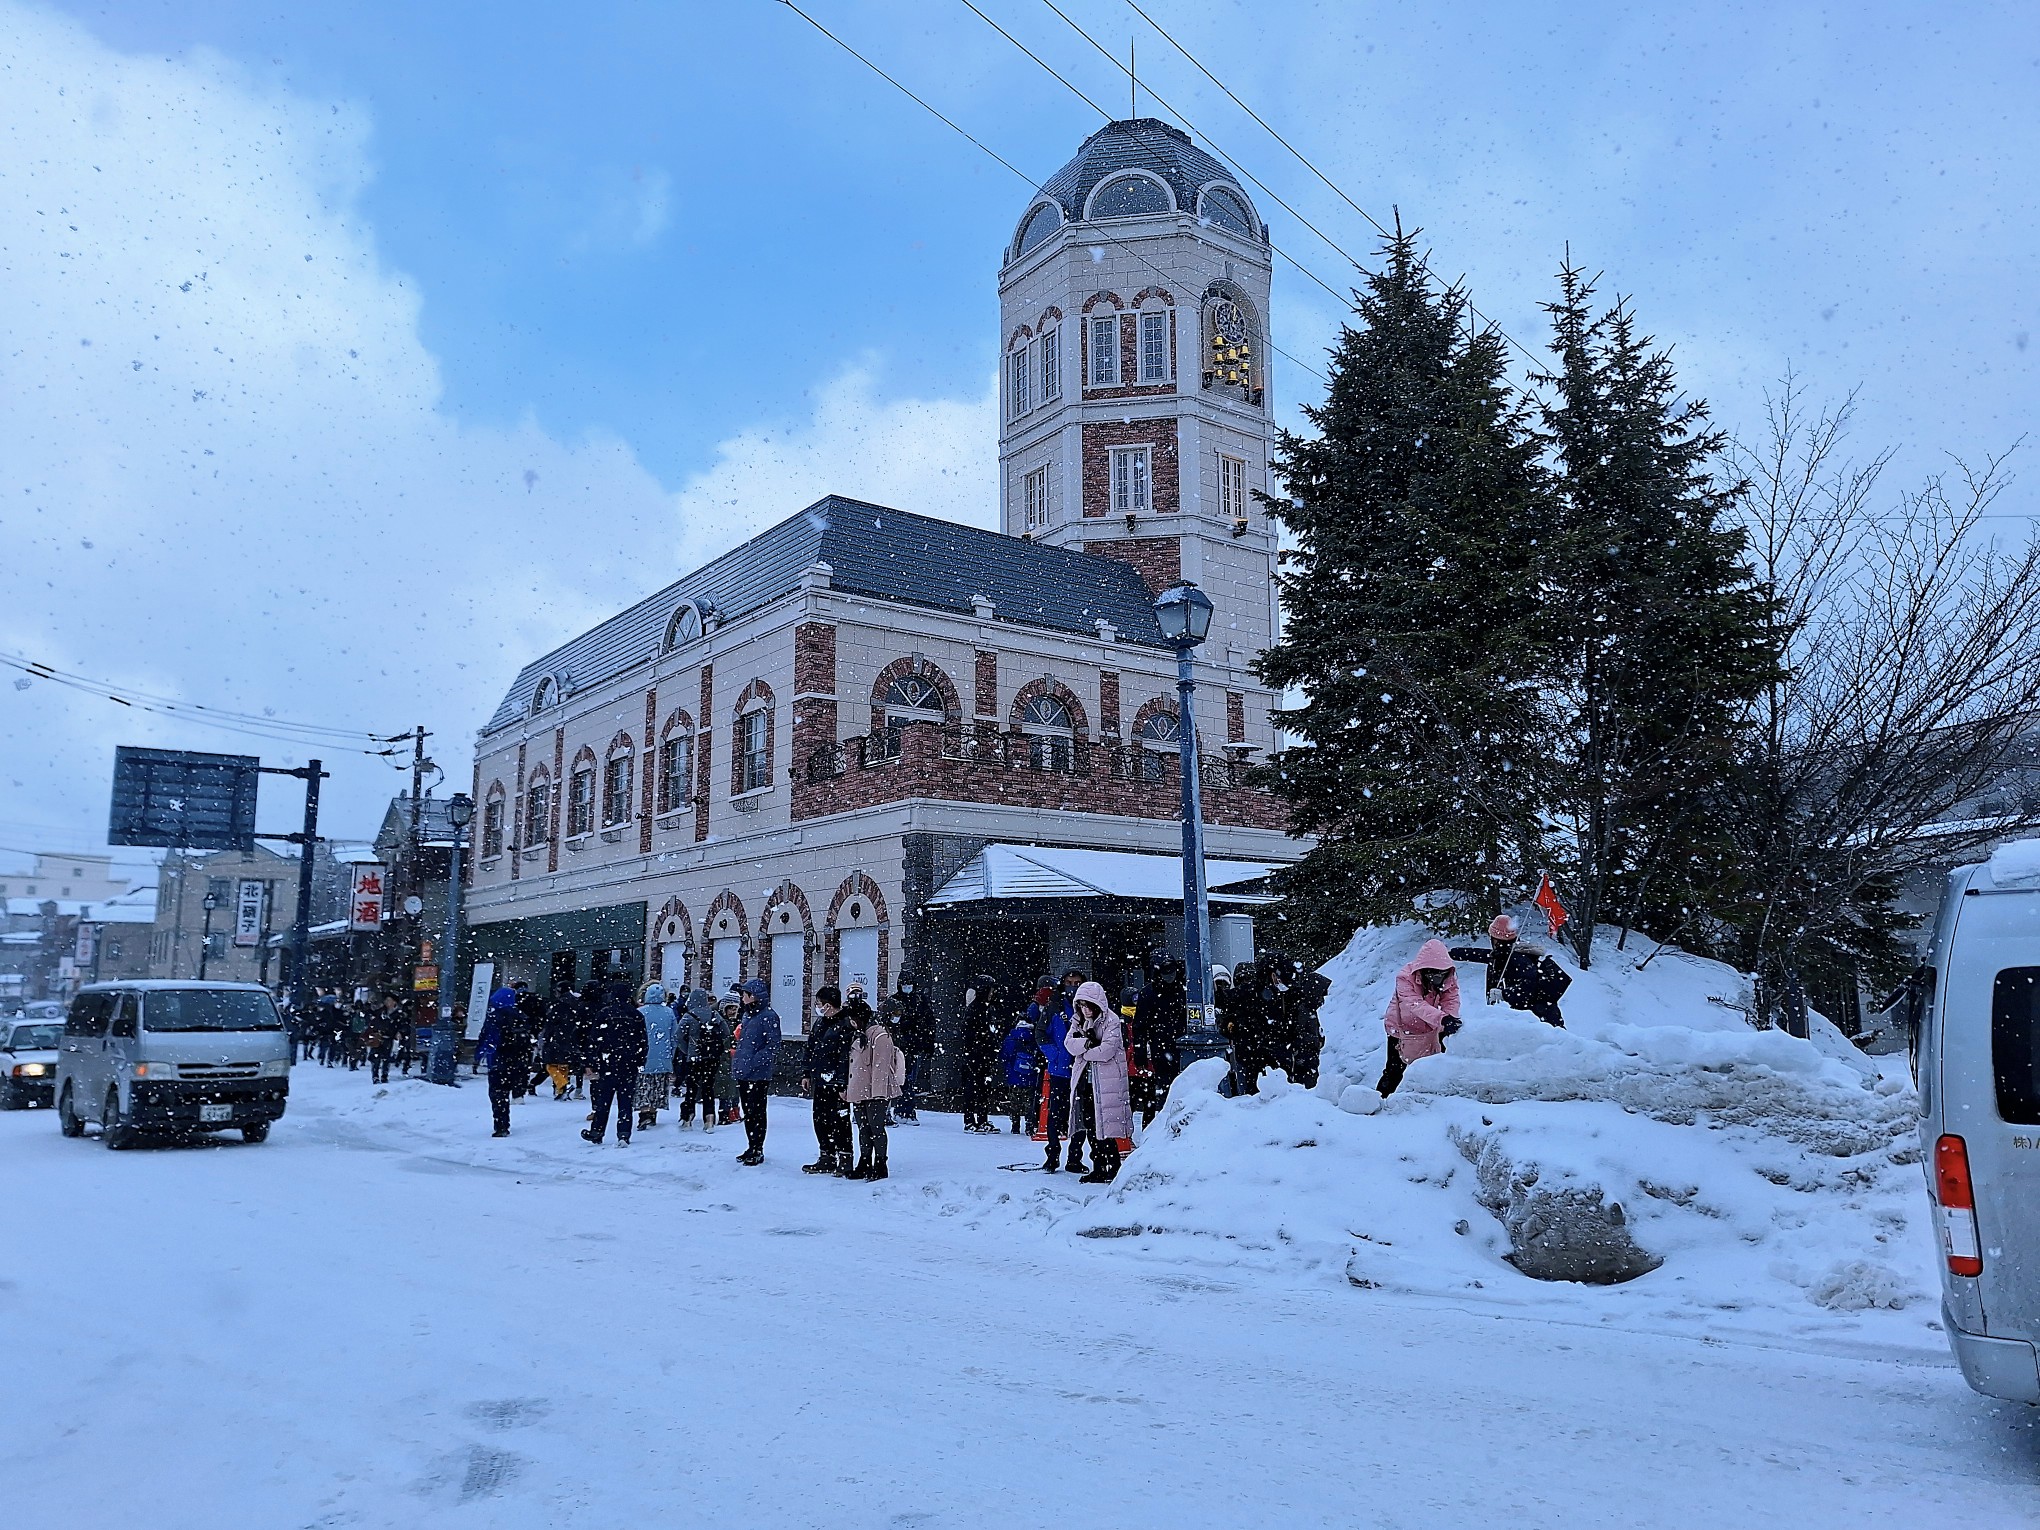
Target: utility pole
{"x": 418, "y": 764}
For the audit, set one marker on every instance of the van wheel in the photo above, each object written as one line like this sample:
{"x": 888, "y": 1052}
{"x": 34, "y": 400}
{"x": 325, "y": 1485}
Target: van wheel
{"x": 114, "y": 1132}
{"x": 67, "y": 1116}
{"x": 256, "y": 1133}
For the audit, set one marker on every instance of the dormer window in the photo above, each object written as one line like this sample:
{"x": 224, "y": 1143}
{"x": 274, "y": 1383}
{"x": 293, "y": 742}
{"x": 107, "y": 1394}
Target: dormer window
{"x": 547, "y": 695}
{"x": 1043, "y": 221}
{"x": 1130, "y": 196}
{"x": 1222, "y": 207}
{"x": 684, "y": 628}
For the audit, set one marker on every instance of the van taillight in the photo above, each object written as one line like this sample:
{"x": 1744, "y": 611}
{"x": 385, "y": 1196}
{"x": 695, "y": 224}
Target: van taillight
{"x": 1959, "y": 1241}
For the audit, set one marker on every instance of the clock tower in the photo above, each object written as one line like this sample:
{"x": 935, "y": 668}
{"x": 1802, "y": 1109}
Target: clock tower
{"x": 1134, "y": 389}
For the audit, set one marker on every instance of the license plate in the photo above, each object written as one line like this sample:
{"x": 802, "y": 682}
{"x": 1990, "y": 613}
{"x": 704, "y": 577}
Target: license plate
{"x": 215, "y": 1112}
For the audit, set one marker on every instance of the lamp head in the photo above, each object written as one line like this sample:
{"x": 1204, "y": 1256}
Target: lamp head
{"x": 460, "y": 807}
{"x": 211, "y": 903}
{"x": 1184, "y": 612}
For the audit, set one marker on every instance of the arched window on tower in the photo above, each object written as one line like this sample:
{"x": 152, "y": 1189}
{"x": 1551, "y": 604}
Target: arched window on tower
{"x": 1036, "y": 227}
{"x": 1051, "y": 734}
{"x": 1232, "y": 344}
{"x": 910, "y": 699}
{"x": 1130, "y": 196}
{"x": 1225, "y": 208}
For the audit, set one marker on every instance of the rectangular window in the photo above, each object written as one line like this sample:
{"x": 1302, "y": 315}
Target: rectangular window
{"x": 538, "y": 813}
{"x": 1016, "y": 383}
{"x": 2015, "y": 1044}
{"x": 757, "y": 767}
{"x": 1035, "y": 492}
{"x": 1051, "y": 365}
{"x": 1154, "y": 347}
{"x": 492, "y": 828}
{"x": 221, "y": 890}
{"x": 1232, "y": 488}
{"x": 580, "y": 803}
{"x": 616, "y": 791}
{"x": 676, "y": 767}
{"x": 1130, "y": 480}
{"x": 1105, "y": 352}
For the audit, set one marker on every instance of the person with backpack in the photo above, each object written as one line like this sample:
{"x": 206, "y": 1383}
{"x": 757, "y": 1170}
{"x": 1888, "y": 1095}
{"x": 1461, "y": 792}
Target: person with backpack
{"x": 655, "y": 1083}
{"x": 757, "y": 1058}
{"x": 699, "y": 1050}
{"x": 615, "y": 1051}
{"x": 1020, "y": 1054}
{"x": 1099, "y": 1098}
{"x": 1519, "y": 975}
{"x": 877, "y": 1073}
{"x": 826, "y": 1073}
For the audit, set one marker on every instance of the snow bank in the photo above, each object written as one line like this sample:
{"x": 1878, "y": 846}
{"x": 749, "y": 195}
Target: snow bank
{"x": 1772, "y": 1183}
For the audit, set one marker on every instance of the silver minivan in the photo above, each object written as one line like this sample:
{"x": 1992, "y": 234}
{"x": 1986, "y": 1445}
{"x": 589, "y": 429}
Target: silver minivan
{"x": 1977, "y": 1062}
{"x": 172, "y": 1057}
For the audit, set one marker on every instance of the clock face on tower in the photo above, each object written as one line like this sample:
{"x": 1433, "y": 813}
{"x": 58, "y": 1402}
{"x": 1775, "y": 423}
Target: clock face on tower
{"x": 1230, "y": 322}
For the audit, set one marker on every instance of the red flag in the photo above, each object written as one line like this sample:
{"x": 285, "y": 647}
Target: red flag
{"x": 1547, "y": 899}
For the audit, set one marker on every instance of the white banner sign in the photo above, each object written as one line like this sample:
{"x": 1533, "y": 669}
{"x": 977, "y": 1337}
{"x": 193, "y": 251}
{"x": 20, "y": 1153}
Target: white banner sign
{"x": 365, "y": 910}
{"x": 479, "y": 988}
{"x": 251, "y": 903}
{"x": 88, "y": 938}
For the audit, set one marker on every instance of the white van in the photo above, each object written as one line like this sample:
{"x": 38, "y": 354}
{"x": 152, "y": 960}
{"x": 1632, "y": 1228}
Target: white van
{"x": 172, "y": 1057}
{"x": 1976, "y": 1059}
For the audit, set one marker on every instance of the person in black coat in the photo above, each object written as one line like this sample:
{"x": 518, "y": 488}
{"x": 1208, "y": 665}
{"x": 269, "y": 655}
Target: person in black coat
{"x": 912, "y": 1019}
{"x": 1242, "y": 1017}
{"x": 1519, "y": 975}
{"x": 615, "y": 1050}
{"x": 986, "y": 1019}
{"x": 561, "y": 1041}
{"x": 1158, "y": 1016}
{"x": 826, "y": 1071}
{"x": 1303, "y": 1033}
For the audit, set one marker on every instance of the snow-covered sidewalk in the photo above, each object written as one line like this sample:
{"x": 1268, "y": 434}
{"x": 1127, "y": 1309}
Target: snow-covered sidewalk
{"x": 385, "y": 1317}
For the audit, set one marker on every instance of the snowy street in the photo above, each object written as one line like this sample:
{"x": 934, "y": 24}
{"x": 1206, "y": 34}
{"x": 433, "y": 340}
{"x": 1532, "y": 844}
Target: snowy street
{"x": 383, "y": 1317}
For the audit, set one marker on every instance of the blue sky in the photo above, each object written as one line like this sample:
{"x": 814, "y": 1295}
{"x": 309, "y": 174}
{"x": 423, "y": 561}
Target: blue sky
{"x": 560, "y": 300}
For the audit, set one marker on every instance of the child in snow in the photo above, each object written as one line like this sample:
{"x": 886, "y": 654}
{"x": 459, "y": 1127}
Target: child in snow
{"x": 1422, "y": 1012}
{"x": 1022, "y": 1056}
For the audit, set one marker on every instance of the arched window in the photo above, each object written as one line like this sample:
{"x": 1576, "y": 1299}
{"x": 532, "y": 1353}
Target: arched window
{"x": 1050, "y": 730}
{"x": 1161, "y": 738}
{"x": 618, "y": 775}
{"x": 547, "y": 695}
{"x": 581, "y": 795}
{"x": 910, "y": 699}
{"x": 538, "y": 809}
{"x": 1232, "y": 342}
{"x": 1130, "y": 196}
{"x": 676, "y": 764}
{"x": 1043, "y": 221}
{"x": 684, "y": 628}
{"x": 1227, "y": 209}
{"x": 492, "y": 822}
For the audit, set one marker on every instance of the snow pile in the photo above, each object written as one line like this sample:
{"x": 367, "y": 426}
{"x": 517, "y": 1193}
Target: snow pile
{"x": 1714, "y": 1176}
{"x": 2016, "y": 864}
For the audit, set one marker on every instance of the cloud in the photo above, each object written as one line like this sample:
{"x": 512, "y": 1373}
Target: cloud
{"x": 224, "y": 469}
{"x": 621, "y": 209}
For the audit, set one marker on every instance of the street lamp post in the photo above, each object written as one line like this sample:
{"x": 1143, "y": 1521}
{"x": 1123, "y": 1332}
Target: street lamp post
{"x": 1184, "y": 613}
{"x": 445, "y": 1061}
{"x": 205, "y": 942}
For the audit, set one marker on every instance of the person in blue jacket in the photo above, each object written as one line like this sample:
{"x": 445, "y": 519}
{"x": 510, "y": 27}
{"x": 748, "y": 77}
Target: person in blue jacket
{"x": 757, "y": 1059}
{"x": 1021, "y": 1053}
{"x": 1051, "y": 1017}
{"x": 655, "y": 1082}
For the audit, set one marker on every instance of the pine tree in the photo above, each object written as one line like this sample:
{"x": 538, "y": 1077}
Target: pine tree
{"x": 1660, "y": 631}
{"x": 1410, "y": 618}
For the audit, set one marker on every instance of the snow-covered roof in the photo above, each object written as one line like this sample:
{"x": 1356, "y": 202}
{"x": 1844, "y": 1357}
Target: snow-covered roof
{"x": 128, "y": 909}
{"x": 1031, "y": 871}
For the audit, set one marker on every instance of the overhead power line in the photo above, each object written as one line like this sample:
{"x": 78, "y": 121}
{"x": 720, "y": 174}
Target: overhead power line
{"x": 1099, "y": 235}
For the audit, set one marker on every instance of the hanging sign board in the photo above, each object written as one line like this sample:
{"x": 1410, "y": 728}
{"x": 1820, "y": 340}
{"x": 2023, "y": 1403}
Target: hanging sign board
{"x": 479, "y": 989}
{"x": 251, "y": 903}
{"x": 365, "y": 908}
{"x": 174, "y": 799}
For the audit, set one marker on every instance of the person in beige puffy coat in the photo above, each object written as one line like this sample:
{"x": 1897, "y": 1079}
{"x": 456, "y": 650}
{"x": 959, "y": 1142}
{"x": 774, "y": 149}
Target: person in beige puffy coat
{"x": 1099, "y": 1096}
{"x": 878, "y": 1071}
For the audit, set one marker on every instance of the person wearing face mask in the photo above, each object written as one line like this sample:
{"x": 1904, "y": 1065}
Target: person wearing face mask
{"x": 912, "y": 1019}
{"x": 1422, "y": 1012}
{"x": 756, "y": 1059}
{"x": 877, "y": 1070}
{"x": 985, "y": 1024}
{"x": 1099, "y": 1099}
{"x": 826, "y": 1072}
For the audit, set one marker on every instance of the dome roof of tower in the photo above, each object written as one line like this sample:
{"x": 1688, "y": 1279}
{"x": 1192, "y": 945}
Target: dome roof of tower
{"x": 1144, "y": 143}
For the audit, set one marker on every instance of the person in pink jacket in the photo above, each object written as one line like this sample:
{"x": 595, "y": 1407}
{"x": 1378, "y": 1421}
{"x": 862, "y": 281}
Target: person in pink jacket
{"x": 1422, "y": 1012}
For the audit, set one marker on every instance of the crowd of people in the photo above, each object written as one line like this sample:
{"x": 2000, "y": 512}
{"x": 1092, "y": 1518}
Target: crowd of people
{"x": 1065, "y": 1064}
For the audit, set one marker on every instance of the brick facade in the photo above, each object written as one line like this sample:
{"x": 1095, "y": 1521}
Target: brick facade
{"x": 1164, "y": 480}
{"x": 1158, "y": 560}
{"x": 1108, "y": 703}
{"x": 704, "y": 747}
{"x": 987, "y": 699}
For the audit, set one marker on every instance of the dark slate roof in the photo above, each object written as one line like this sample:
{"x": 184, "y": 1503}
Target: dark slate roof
{"x": 1145, "y": 143}
{"x": 891, "y": 555}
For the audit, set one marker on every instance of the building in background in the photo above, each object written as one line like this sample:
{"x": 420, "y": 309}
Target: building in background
{"x": 50, "y": 946}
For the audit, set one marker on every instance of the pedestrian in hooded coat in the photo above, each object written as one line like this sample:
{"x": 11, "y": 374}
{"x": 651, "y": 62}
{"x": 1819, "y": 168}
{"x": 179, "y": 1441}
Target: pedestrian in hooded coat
{"x": 1242, "y": 1019}
{"x": 1020, "y": 1054}
{"x": 699, "y": 1053}
{"x": 878, "y": 1071}
{"x": 562, "y": 1041}
{"x": 757, "y": 1058}
{"x": 503, "y": 1050}
{"x": 912, "y": 1019}
{"x": 1306, "y": 1033}
{"x": 825, "y": 1075}
{"x": 655, "y": 1083}
{"x": 985, "y": 1022}
{"x": 383, "y": 1026}
{"x": 615, "y": 1051}
{"x": 1158, "y": 1017}
{"x": 1099, "y": 1099}
{"x": 1422, "y": 1012}
{"x": 1052, "y": 1029}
